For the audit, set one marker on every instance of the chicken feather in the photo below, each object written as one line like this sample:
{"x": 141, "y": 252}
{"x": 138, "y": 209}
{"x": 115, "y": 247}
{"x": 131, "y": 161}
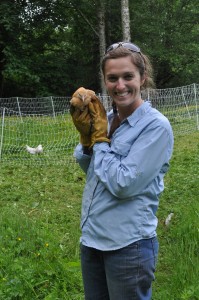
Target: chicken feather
{"x": 37, "y": 150}
{"x": 81, "y": 98}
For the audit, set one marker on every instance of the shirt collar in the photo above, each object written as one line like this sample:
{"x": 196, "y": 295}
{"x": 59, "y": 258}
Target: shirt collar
{"x": 138, "y": 113}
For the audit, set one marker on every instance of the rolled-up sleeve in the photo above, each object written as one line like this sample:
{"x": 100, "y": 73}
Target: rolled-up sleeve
{"x": 128, "y": 175}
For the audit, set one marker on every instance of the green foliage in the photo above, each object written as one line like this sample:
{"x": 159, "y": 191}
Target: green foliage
{"x": 52, "y": 47}
{"x": 168, "y": 31}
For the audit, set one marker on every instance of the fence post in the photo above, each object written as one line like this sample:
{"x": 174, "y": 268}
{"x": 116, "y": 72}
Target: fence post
{"x": 105, "y": 101}
{"x": 52, "y": 106}
{"x": 2, "y": 132}
{"x": 148, "y": 95}
{"x": 19, "y": 109}
{"x": 185, "y": 103}
{"x": 195, "y": 97}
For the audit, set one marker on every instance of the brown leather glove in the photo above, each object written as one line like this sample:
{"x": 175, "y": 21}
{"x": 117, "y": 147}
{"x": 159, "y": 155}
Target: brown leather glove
{"x": 83, "y": 122}
{"x": 99, "y": 121}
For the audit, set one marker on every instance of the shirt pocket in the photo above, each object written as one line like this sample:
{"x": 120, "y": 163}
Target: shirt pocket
{"x": 120, "y": 148}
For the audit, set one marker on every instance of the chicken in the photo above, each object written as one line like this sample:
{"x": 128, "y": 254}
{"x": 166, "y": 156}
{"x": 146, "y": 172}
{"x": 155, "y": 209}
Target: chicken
{"x": 81, "y": 98}
{"x": 36, "y": 150}
{"x": 168, "y": 219}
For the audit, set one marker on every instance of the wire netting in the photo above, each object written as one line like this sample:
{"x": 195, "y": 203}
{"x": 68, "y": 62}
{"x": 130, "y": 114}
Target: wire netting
{"x": 47, "y": 122}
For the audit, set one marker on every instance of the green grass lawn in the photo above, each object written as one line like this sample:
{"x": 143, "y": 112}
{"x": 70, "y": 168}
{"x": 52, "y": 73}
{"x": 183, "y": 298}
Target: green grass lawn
{"x": 58, "y": 137}
{"x": 39, "y": 229}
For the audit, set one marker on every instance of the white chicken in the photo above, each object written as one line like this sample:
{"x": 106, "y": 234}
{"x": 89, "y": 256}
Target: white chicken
{"x": 37, "y": 150}
{"x": 168, "y": 219}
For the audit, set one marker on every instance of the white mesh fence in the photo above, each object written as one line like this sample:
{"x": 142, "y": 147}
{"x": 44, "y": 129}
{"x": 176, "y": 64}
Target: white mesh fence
{"x": 47, "y": 122}
{"x": 36, "y": 106}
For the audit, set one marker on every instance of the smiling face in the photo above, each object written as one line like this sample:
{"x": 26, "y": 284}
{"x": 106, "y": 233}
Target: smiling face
{"x": 123, "y": 82}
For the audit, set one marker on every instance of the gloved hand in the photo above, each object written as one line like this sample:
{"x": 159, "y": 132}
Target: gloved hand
{"x": 83, "y": 122}
{"x": 99, "y": 121}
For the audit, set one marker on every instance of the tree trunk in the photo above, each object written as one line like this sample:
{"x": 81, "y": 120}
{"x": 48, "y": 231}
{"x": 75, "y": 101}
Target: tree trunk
{"x": 102, "y": 41}
{"x": 125, "y": 20}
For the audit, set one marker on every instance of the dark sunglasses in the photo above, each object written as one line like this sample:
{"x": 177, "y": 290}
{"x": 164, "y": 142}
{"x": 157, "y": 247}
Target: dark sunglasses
{"x": 129, "y": 46}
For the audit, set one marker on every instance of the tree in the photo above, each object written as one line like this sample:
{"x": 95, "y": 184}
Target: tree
{"x": 167, "y": 32}
{"x": 102, "y": 41}
{"x": 53, "y": 47}
{"x": 125, "y": 20}
{"x": 11, "y": 25}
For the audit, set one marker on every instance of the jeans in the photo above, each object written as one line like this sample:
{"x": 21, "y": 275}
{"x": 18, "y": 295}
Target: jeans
{"x": 124, "y": 274}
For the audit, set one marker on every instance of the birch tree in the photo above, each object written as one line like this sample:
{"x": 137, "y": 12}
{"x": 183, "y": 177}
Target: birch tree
{"x": 125, "y": 20}
{"x": 102, "y": 41}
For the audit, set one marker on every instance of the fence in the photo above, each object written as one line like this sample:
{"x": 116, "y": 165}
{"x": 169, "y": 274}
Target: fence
{"x": 47, "y": 122}
{"x": 34, "y": 106}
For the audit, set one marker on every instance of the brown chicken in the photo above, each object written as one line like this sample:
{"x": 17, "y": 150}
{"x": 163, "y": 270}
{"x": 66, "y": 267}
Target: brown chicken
{"x": 81, "y": 98}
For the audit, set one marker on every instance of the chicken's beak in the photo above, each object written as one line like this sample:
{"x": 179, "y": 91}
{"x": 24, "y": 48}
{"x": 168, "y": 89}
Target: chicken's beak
{"x": 82, "y": 97}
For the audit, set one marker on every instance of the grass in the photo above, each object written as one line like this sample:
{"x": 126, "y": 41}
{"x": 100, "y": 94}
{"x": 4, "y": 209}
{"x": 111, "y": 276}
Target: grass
{"x": 178, "y": 272}
{"x": 57, "y": 136}
{"x": 39, "y": 232}
{"x": 39, "y": 229}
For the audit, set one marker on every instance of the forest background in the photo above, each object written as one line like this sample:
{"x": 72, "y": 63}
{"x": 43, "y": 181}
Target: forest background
{"x": 53, "y": 47}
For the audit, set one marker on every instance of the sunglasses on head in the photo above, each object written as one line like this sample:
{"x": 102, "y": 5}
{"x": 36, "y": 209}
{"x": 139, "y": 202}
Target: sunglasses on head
{"x": 129, "y": 46}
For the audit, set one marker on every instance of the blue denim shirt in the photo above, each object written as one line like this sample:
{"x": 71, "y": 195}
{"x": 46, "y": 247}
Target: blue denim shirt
{"x": 124, "y": 180}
